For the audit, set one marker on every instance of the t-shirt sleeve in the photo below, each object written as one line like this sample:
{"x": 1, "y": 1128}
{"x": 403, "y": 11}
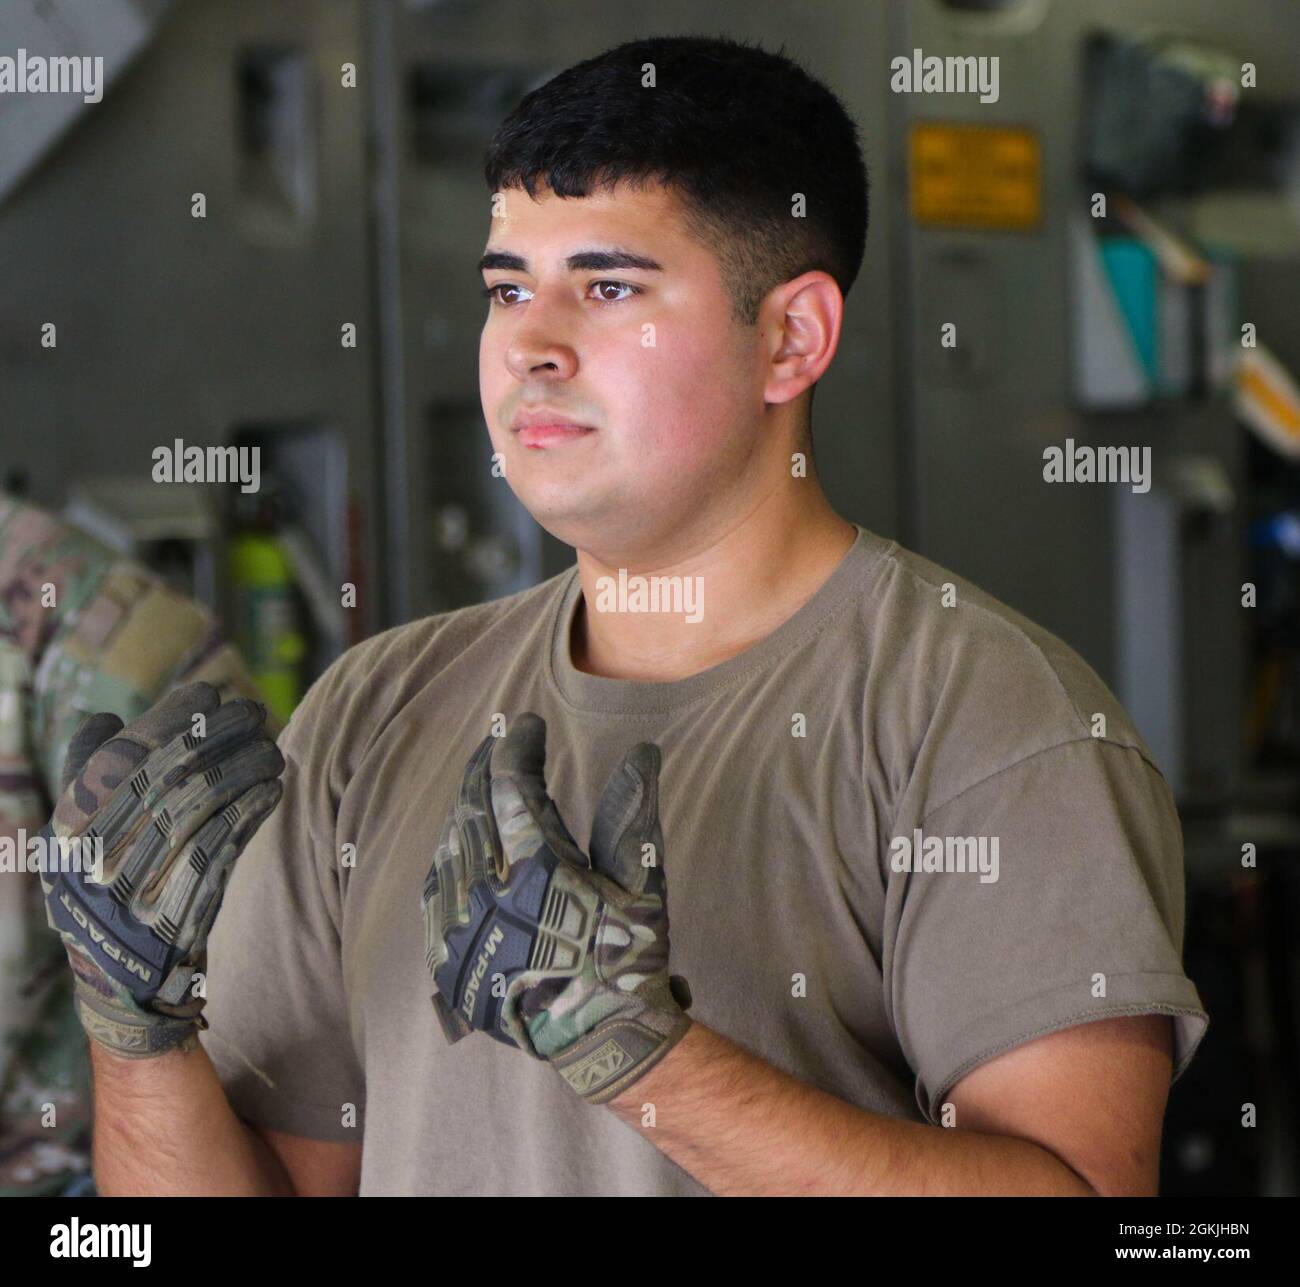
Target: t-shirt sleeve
{"x": 1083, "y": 921}
{"x": 279, "y": 1032}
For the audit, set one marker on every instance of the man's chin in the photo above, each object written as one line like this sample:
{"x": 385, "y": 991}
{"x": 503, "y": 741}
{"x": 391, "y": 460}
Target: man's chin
{"x": 580, "y": 526}
{"x": 562, "y": 519}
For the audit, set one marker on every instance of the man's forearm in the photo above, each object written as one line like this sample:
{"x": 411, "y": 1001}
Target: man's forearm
{"x": 744, "y": 1128}
{"x": 164, "y": 1126}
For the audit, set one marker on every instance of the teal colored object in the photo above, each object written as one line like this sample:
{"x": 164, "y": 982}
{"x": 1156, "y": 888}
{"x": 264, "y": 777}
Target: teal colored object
{"x": 1134, "y": 277}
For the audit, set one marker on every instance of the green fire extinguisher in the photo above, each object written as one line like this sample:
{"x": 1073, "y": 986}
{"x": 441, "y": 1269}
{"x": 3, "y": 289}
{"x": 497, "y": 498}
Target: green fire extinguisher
{"x": 268, "y": 616}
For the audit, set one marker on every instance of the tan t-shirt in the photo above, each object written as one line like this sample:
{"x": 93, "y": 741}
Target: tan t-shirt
{"x": 874, "y": 712}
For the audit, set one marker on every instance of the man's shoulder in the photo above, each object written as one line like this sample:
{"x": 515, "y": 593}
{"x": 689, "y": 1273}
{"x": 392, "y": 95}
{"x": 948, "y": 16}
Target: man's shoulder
{"x": 970, "y": 663}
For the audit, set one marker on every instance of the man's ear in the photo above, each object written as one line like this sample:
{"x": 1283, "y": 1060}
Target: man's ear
{"x": 804, "y": 317}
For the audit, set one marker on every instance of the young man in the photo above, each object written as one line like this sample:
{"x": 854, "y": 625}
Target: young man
{"x": 675, "y": 226}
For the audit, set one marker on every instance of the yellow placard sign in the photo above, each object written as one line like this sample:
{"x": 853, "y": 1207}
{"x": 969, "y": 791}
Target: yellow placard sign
{"x": 976, "y": 176}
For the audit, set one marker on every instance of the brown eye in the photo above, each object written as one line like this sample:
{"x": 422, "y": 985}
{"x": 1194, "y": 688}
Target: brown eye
{"x": 601, "y": 286}
{"x": 491, "y": 293}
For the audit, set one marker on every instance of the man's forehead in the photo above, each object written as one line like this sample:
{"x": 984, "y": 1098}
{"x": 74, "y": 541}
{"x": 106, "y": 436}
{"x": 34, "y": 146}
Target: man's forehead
{"x": 632, "y": 217}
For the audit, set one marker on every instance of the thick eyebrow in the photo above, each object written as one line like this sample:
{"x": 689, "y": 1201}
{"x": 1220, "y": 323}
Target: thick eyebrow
{"x": 582, "y": 261}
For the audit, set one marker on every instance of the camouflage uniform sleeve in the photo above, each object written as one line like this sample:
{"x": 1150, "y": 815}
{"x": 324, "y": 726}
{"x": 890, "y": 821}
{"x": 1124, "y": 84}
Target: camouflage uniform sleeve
{"x": 46, "y": 572}
{"x": 129, "y": 645}
{"x": 22, "y": 796}
{"x": 81, "y": 630}
{"x": 100, "y": 633}
{"x": 23, "y": 810}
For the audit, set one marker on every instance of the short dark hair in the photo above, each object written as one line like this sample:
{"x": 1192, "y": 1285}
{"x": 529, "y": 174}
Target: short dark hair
{"x": 733, "y": 130}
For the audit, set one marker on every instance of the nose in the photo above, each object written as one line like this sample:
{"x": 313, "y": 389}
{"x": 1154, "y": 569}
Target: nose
{"x": 536, "y": 348}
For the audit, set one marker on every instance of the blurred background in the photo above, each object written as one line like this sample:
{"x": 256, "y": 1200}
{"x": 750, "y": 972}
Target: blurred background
{"x": 1116, "y": 238}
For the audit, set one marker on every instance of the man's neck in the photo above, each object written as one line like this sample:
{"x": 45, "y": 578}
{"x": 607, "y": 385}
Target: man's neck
{"x": 748, "y": 583}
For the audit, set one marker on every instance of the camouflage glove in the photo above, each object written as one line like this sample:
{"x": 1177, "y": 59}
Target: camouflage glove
{"x": 531, "y": 943}
{"x": 173, "y": 812}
